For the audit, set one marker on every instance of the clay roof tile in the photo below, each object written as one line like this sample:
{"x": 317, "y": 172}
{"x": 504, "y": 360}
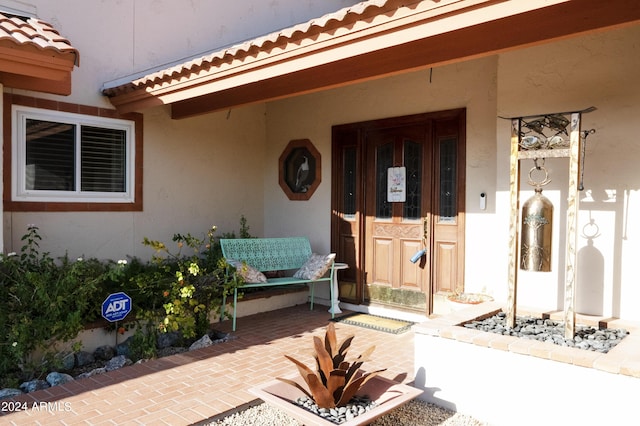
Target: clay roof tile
{"x": 28, "y": 31}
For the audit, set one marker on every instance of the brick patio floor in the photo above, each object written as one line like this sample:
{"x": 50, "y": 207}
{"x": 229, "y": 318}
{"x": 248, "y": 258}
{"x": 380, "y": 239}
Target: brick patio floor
{"x": 188, "y": 388}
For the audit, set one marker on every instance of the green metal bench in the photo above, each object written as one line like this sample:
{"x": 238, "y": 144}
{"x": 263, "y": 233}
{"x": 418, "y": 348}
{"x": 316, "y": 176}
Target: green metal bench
{"x": 269, "y": 255}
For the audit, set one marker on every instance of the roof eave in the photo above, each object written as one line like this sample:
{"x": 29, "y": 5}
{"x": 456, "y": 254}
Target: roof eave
{"x": 449, "y": 32}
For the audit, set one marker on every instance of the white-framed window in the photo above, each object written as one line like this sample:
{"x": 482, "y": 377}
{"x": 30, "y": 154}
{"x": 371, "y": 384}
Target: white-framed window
{"x": 68, "y": 157}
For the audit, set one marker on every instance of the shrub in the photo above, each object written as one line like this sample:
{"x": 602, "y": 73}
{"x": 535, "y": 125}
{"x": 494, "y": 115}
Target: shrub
{"x": 43, "y": 302}
{"x": 199, "y": 285}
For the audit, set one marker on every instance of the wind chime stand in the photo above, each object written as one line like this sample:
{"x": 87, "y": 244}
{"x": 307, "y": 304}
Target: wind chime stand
{"x": 573, "y": 153}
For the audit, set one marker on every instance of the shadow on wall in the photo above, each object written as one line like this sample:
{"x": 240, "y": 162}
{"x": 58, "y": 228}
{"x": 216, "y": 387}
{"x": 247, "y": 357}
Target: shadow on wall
{"x": 590, "y": 289}
{"x": 604, "y": 207}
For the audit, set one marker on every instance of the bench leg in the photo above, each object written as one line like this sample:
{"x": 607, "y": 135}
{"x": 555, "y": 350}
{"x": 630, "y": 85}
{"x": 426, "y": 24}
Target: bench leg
{"x": 311, "y": 289}
{"x": 332, "y": 309}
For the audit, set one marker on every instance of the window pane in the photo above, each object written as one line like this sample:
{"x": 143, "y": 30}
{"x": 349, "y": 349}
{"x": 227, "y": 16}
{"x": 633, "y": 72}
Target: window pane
{"x": 103, "y": 159}
{"x": 50, "y": 153}
{"x": 413, "y": 164}
{"x": 384, "y": 160}
{"x": 448, "y": 161}
{"x": 349, "y": 167}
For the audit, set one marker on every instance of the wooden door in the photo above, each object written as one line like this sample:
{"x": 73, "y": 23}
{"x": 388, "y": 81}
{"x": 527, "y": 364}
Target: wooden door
{"x": 396, "y": 230}
{"x": 376, "y": 236}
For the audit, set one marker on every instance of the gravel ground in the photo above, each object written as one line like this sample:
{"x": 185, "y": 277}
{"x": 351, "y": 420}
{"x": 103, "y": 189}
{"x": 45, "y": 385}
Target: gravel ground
{"x": 413, "y": 413}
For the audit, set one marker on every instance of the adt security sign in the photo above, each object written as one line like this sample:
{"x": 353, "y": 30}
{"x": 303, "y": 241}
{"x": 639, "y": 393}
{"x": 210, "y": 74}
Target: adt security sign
{"x": 116, "y": 306}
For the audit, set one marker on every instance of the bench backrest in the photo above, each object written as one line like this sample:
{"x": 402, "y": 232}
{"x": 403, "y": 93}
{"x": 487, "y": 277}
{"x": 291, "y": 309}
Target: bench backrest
{"x": 268, "y": 254}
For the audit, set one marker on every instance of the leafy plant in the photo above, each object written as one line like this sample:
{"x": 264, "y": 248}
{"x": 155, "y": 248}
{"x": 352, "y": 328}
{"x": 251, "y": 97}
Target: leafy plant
{"x": 199, "y": 285}
{"x": 335, "y": 381}
{"x": 143, "y": 343}
{"x": 43, "y": 301}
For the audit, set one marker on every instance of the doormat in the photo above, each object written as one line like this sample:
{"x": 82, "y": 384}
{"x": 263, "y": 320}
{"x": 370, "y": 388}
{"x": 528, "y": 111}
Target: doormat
{"x": 388, "y": 325}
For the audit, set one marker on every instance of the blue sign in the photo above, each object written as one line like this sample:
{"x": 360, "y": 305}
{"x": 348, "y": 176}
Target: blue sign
{"x": 116, "y": 306}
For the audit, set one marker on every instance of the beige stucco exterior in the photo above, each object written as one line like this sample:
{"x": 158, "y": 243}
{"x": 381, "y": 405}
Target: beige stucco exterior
{"x": 211, "y": 169}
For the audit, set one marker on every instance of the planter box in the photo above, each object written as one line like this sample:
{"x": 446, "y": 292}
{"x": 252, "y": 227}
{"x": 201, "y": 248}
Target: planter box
{"x": 386, "y": 393}
{"x": 505, "y": 380}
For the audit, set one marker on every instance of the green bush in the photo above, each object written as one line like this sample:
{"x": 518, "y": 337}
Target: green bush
{"x": 44, "y": 301}
{"x": 201, "y": 280}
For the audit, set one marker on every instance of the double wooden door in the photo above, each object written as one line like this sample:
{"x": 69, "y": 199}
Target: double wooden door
{"x": 396, "y": 192}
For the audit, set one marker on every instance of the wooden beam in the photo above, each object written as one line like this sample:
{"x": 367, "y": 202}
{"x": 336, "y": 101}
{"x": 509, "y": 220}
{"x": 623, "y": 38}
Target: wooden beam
{"x": 573, "y": 199}
{"x": 514, "y": 204}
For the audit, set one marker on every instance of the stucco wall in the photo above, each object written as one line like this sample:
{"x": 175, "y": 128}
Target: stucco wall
{"x": 470, "y": 85}
{"x": 599, "y": 70}
{"x": 198, "y": 172}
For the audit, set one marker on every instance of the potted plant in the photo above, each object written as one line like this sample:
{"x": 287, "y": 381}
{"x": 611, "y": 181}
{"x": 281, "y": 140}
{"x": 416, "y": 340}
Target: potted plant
{"x": 337, "y": 391}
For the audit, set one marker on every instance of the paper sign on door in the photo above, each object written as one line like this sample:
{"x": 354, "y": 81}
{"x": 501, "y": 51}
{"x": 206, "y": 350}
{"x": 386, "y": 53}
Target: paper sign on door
{"x": 396, "y": 184}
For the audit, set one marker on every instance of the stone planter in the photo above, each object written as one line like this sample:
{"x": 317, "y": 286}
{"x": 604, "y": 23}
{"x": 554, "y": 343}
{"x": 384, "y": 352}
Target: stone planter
{"x": 386, "y": 393}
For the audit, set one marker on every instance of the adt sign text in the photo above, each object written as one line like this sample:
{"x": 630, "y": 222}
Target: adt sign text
{"x": 116, "y": 306}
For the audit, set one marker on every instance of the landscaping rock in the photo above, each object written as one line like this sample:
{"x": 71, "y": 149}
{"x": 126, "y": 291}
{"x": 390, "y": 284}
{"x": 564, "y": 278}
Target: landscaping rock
{"x": 68, "y": 361}
{"x": 165, "y": 340}
{"x": 34, "y": 385}
{"x": 84, "y": 358}
{"x": 56, "y": 378}
{"x": 203, "y": 342}
{"x": 104, "y": 353}
{"x": 93, "y": 372}
{"x": 117, "y": 362}
{"x": 9, "y": 393}
{"x": 124, "y": 348}
{"x": 220, "y": 337}
{"x": 547, "y": 330}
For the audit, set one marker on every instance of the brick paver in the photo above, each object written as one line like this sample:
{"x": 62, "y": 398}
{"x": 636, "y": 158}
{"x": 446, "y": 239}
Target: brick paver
{"x": 193, "y": 386}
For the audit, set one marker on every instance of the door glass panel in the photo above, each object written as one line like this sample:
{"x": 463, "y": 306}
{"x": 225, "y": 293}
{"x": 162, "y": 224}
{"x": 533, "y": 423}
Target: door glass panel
{"x": 413, "y": 164}
{"x": 349, "y": 182}
{"x": 384, "y": 160}
{"x": 448, "y": 178}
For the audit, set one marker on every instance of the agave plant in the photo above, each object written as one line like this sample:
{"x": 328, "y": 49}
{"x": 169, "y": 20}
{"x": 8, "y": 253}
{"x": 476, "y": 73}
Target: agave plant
{"x": 335, "y": 380}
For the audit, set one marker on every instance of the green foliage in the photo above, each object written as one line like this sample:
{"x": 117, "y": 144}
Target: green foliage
{"x": 44, "y": 300}
{"x": 143, "y": 343}
{"x": 200, "y": 282}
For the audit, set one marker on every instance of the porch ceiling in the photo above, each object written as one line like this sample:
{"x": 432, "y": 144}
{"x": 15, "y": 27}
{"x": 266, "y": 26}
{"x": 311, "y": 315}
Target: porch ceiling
{"x": 372, "y": 39}
{"x": 33, "y": 55}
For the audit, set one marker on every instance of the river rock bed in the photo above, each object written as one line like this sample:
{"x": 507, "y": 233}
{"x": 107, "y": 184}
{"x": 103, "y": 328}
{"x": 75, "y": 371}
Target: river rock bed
{"x": 355, "y": 407}
{"x": 551, "y": 331}
{"x": 81, "y": 365}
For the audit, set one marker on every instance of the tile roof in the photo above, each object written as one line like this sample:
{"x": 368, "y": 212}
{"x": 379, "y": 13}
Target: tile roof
{"x": 29, "y": 31}
{"x": 368, "y": 40}
{"x": 251, "y": 47}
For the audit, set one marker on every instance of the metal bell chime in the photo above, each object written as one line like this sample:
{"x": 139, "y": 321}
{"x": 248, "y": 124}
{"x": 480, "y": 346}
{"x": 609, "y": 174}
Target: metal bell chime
{"x": 537, "y": 218}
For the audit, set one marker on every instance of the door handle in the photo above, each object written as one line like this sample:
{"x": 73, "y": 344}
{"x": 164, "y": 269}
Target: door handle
{"x": 425, "y": 230}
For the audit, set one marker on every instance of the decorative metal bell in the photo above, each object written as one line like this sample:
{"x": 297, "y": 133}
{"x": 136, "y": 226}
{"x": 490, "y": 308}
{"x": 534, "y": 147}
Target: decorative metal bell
{"x": 535, "y": 248}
